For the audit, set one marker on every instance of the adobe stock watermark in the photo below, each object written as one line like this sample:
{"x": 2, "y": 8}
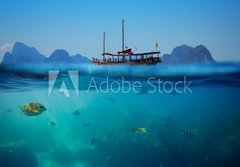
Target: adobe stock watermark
{"x": 53, "y": 78}
{"x": 115, "y": 85}
{"x": 151, "y": 85}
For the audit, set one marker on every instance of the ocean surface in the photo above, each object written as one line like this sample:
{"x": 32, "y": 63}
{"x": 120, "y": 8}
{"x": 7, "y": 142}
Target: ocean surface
{"x": 191, "y": 114}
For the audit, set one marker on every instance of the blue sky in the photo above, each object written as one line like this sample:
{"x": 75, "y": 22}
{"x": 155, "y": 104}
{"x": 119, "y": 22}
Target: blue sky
{"x": 77, "y": 25}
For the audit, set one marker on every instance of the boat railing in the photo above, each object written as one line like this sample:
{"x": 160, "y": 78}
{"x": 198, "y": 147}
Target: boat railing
{"x": 129, "y": 60}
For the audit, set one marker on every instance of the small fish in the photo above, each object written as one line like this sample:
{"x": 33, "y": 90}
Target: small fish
{"x": 139, "y": 130}
{"x": 143, "y": 91}
{"x": 119, "y": 143}
{"x": 32, "y": 109}
{"x": 76, "y": 113}
{"x": 164, "y": 123}
{"x": 52, "y": 123}
{"x": 9, "y": 110}
{"x": 112, "y": 99}
{"x": 106, "y": 161}
{"x": 174, "y": 92}
{"x": 187, "y": 134}
{"x": 93, "y": 141}
{"x": 86, "y": 125}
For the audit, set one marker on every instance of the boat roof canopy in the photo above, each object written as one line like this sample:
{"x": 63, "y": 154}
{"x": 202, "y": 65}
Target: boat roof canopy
{"x": 130, "y": 54}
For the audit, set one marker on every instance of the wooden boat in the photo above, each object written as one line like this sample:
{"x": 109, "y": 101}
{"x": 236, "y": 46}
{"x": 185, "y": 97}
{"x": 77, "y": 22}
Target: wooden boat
{"x": 126, "y": 56}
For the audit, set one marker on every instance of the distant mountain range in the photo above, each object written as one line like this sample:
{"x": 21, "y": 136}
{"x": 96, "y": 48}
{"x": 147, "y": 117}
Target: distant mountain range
{"x": 23, "y": 54}
{"x": 188, "y": 55}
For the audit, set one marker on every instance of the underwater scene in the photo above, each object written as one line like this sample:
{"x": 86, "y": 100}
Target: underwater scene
{"x": 120, "y": 116}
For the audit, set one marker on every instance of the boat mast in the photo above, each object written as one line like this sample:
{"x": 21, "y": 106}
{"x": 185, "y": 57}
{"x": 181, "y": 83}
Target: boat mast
{"x": 104, "y": 45}
{"x": 122, "y": 34}
{"x": 123, "y": 58}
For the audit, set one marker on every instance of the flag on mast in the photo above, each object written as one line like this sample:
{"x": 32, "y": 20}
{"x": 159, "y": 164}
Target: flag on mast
{"x": 157, "y": 46}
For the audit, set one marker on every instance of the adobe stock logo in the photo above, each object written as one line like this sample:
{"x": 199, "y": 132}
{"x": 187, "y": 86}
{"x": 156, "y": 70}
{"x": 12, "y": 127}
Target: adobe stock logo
{"x": 68, "y": 83}
{"x": 73, "y": 78}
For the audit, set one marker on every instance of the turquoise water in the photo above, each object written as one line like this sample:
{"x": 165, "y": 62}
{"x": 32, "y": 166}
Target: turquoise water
{"x": 95, "y": 129}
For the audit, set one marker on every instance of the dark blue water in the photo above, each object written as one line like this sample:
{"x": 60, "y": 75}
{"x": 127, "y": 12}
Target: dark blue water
{"x": 89, "y": 123}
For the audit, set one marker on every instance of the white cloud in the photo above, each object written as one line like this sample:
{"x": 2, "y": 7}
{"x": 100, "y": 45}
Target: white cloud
{"x": 7, "y": 47}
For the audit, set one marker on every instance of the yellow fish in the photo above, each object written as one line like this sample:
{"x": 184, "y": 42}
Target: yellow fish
{"x": 139, "y": 130}
{"x": 32, "y": 109}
